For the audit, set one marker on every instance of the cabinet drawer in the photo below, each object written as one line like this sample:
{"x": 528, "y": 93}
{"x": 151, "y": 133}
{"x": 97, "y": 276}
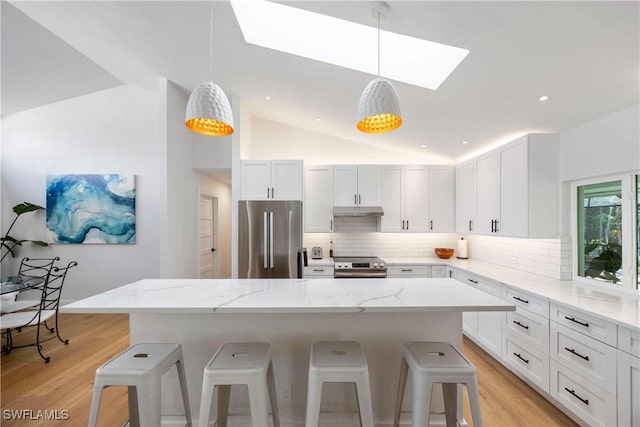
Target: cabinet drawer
{"x": 590, "y": 403}
{"x": 528, "y": 330}
{"x": 585, "y": 323}
{"x": 466, "y": 278}
{"x": 590, "y": 358}
{"x": 531, "y": 302}
{"x": 528, "y": 364}
{"x": 492, "y": 288}
{"x": 629, "y": 341}
{"x": 318, "y": 271}
{"x": 409, "y": 271}
{"x": 439, "y": 271}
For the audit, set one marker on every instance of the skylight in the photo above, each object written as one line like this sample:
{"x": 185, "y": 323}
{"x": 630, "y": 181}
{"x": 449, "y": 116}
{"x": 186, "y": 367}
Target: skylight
{"x": 346, "y": 44}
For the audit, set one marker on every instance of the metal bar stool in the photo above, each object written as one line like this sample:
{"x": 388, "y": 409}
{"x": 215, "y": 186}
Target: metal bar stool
{"x": 436, "y": 362}
{"x": 141, "y": 367}
{"x": 338, "y": 361}
{"x": 240, "y": 363}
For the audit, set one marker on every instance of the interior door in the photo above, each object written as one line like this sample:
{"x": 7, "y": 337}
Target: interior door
{"x": 206, "y": 237}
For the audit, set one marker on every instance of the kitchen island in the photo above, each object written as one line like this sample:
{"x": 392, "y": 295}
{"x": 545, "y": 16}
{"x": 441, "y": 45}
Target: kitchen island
{"x": 290, "y": 314}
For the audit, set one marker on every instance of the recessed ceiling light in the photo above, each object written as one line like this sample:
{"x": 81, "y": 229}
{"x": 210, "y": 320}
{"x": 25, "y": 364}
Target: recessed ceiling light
{"x": 423, "y": 146}
{"x": 346, "y": 44}
{"x": 465, "y": 142}
{"x": 268, "y": 98}
{"x": 543, "y": 98}
{"x": 318, "y": 119}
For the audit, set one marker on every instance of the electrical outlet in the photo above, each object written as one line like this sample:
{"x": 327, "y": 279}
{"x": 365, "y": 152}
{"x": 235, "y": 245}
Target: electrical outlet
{"x": 285, "y": 392}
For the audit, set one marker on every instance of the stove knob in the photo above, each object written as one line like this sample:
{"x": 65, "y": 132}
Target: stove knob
{"x": 375, "y": 265}
{"x": 382, "y": 265}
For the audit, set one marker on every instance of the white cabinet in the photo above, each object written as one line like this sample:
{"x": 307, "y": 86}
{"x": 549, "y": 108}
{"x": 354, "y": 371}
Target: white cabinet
{"x": 628, "y": 389}
{"x": 517, "y": 188}
{"x": 583, "y": 364}
{"x": 438, "y": 271}
{"x": 409, "y": 271}
{"x": 465, "y": 197}
{"x": 484, "y": 328}
{"x": 441, "y": 196}
{"x": 318, "y": 272}
{"x": 318, "y": 199}
{"x": 526, "y": 337}
{"x": 271, "y": 180}
{"x": 404, "y": 198}
{"x": 356, "y": 185}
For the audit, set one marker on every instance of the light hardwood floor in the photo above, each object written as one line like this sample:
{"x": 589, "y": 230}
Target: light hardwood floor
{"x": 65, "y": 384}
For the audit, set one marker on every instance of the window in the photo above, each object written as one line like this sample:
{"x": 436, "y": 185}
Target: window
{"x": 607, "y": 231}
{"x": 600, "y": 231}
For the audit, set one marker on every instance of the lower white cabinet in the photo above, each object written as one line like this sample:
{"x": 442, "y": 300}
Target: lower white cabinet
{"x": 628, "y": 390}
{"x": 531, "y": 364}
{"x": 439, "y": 271}
{"x": 317, "y": 272}
{"x": 409, "y": 271}
{"x": 592, "y": 404}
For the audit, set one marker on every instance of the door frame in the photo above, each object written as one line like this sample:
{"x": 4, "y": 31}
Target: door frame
{"x": 214, "y": 232}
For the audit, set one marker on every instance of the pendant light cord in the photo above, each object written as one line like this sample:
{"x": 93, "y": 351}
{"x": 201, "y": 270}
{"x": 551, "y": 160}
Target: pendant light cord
{"x": 378, "y": 44}
{"x": 211, "y": 40}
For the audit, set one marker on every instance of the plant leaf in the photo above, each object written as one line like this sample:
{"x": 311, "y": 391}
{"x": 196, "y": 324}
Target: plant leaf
{"x": 39, "y": 242}
{"x": 25, "y": 207}
{"x": 9, "y": 239}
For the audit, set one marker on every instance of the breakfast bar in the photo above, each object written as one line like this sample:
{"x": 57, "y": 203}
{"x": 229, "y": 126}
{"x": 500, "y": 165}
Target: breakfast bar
{"x": 381, "y": 314}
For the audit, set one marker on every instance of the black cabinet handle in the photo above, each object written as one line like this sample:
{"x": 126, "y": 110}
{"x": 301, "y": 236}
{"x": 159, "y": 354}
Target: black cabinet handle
{"x": 213, "y": 249}
{"x": 496, "y": 227}
{"x": 472, "y": 281}
{"x": 573, "y": 392}
{"x": 572, "y": 351}
{"x": 267, "y": 192}
{"x": 407, "y": 224}
{"x": 521, "y": 300}
{"x": 431, "y": 225}
{"x": 520, "y": 324}
{"x": 272, "y": 191}
{"x": 520, "y": 357}
{"x": 355, "y": 199}
{"x": 407, "y": 269}
{"x": 573, "y": 319}
{"x": 318, "y": 270}
{"x": 403, "y": 224}
{"x": 331, "y": 224}
{"x": 359, "y": 199}
{"x": 470, "y": 222}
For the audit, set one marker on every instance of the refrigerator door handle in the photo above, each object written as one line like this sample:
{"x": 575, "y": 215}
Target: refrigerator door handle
{"x": 270, "y": 239}
{"x": 265, "y": 240}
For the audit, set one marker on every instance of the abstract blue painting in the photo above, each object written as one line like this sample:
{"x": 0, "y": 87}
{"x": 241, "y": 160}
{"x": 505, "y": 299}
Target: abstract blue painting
{"x": 91, "y": 208}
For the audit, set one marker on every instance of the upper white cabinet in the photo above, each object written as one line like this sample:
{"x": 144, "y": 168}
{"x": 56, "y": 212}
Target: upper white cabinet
{"x": 517, "y": 188}
{"x": 441, "y": 196}
{"x": 318, "y": 199}
{"x": 356, "y": 185}
{"x": 271, "y": 180}
{"x": 404, "y": 198}
{"x": 466, "y": 197}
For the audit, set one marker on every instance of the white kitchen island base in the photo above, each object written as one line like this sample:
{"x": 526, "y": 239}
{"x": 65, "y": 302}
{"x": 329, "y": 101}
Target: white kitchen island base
{"x": 290, "y": 314}
{"x": 291, "y": 335}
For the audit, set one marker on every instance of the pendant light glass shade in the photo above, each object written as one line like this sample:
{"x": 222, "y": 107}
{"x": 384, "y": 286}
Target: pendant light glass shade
{"x": 379, "y": 109}
{"x": 209, "y": 111}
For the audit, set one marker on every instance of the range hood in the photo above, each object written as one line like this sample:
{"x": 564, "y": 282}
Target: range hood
{"x": 375, "y": 211}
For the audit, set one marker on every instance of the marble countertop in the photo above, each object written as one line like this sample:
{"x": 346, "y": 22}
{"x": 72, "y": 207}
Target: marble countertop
{"x": 289, "y": 296}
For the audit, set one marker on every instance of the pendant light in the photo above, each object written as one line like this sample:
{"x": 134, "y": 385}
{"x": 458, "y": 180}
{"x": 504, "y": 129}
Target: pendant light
{"x": 379, "y": 109}
{"x": 208, "y": 109}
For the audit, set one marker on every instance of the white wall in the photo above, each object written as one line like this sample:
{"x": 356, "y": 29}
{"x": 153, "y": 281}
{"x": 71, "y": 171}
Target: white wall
{"x": 606, "y": 145}
{"x": 112, "y": 131}
{"x": 273, "y": 140}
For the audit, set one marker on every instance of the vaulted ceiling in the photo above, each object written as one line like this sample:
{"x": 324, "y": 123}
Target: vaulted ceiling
{"x": 583, "y": 55}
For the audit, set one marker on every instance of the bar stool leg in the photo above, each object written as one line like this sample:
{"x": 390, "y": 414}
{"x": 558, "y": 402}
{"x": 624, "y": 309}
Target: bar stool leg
{"x": 95, "y": 404}
{"x": 450, "y": 392}
{"x": 402, "y": 382}
{"x": 258, "y": 392}
{"x": 134, "y": 415}
{"x": 185, "y": 391}
{"x": 272, "y": 396}
{"x": 364, "y": 401}
{"x": 314, "y": 393}
{"x": 224, "y": 393}
{"x": 421, "y": 403}
{"x": 474, "y": 401}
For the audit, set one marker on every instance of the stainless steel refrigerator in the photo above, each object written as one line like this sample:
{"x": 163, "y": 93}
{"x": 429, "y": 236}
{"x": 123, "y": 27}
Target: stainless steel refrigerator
{"x": 269, "y": 236}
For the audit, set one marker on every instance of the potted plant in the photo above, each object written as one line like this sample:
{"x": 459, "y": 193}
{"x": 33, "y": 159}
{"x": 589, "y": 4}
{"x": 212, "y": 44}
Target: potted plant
{"x": 8, "y": 243}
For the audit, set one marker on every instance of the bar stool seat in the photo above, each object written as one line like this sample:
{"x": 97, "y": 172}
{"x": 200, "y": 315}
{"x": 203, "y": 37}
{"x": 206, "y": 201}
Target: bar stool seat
{"x": 436, "y": 362}
{"x": 338, "y": 361}
{"x": 240, "y": 363}
{"x": 141, "y": 367}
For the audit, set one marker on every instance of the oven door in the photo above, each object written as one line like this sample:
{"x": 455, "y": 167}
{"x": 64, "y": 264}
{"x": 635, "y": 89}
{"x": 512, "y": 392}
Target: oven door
{"x": 359, "y": 273}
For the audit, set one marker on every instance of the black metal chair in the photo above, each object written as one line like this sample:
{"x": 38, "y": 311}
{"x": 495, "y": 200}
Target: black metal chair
{"x": 30, "y": 268}
{"x": 48, "y": 308}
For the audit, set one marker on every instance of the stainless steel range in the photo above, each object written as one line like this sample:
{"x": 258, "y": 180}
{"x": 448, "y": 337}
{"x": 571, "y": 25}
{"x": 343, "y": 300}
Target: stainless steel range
{"x": 358, "y": 267}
